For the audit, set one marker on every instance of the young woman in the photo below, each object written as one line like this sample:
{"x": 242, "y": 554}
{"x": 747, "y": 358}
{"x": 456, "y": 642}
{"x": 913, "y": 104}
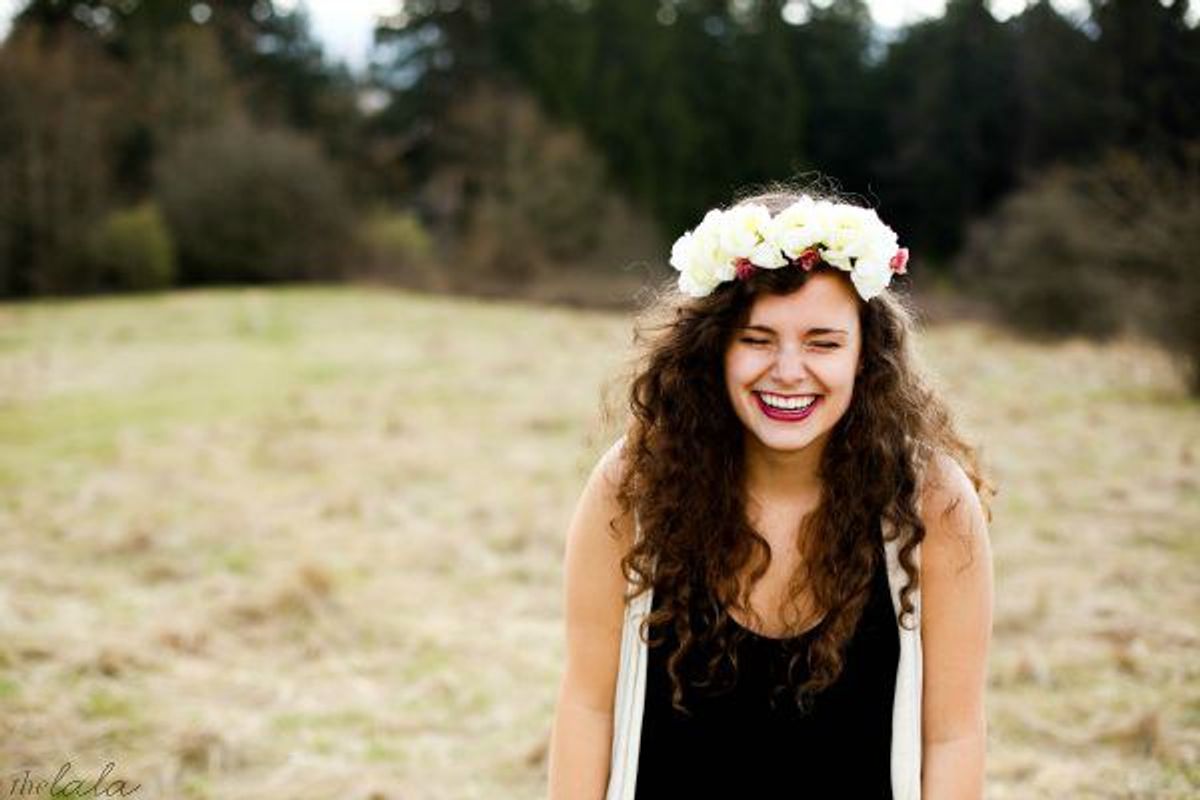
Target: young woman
{"x": 779, "y": 579}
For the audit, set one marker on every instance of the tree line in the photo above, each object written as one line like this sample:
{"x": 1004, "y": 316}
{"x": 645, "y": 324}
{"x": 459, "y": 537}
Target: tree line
{"x": 153, "y": 142}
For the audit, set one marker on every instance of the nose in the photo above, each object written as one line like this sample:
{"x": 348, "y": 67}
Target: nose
{"x": 790, "y": 368}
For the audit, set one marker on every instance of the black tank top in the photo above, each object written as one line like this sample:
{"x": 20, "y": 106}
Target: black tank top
{"x": 737, "y": 745}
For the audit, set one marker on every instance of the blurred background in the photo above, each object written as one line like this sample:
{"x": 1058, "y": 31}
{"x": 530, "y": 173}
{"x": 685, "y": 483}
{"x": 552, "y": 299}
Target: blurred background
{"x": 310, "y": 310}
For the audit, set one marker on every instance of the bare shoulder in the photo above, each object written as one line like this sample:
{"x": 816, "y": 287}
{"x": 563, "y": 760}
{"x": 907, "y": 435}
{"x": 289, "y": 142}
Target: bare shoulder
{"x": 603, "y": 485}
{"x": 956, "y": 533}
{"x": 956, "y": 620}
{"x": 598, "y": 538}
{"x": 611, "y": 464}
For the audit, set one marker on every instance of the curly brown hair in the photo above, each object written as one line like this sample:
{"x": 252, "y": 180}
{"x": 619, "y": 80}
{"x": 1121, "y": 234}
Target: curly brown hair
{"x": 683, "y": 476}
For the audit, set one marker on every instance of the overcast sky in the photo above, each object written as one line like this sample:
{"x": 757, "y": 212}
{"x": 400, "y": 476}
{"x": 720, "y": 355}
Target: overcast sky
{"x": 344, "y": 26}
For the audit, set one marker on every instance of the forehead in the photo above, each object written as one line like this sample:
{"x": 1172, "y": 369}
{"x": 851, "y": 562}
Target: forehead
{"x": 822, "y": 302}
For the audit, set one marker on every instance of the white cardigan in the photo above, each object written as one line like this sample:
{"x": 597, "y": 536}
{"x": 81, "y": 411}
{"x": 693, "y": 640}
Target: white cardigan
{"x": 906, "y": 710}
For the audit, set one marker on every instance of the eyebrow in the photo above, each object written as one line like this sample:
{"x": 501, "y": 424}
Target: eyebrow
{"x": 809, "y": 332}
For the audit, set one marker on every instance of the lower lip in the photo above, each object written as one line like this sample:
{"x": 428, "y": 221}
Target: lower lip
{"x": 787, "y": 416}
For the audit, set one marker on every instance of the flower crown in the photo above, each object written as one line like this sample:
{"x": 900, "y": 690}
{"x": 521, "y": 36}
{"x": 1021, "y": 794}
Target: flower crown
{"x": 733, "y": 243}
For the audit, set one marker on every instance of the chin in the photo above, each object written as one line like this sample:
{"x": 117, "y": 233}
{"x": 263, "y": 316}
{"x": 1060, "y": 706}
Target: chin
{"x": 787, "y": 443}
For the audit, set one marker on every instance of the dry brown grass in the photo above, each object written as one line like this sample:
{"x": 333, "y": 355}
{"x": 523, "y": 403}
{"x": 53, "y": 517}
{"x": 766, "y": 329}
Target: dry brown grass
{"x": 308, "y": 543}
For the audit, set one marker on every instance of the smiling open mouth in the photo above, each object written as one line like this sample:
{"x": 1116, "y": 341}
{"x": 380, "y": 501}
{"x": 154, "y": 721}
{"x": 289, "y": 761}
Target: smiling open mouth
{"x": 794, "y": 413}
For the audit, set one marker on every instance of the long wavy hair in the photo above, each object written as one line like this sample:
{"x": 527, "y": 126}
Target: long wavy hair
{"x": 684, "y": 478}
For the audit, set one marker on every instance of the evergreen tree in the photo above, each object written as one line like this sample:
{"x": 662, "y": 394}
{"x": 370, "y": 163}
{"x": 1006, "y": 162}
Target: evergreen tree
{"x": 1066, "y": 111}
{"x": 1150, "y": 60}
{"x": 950, "y": 88}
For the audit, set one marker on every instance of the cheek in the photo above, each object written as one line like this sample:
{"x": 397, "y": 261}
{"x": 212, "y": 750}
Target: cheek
{"x": 838, "y": 374}
{"x": 741, "y": 368}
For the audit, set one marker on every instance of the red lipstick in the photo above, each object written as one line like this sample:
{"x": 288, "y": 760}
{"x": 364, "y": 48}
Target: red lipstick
{"x": 787, "y": 415}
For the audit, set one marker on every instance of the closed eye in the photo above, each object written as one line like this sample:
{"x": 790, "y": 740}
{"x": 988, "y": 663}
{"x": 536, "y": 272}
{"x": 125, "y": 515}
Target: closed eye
{"x": 822, "y": 345}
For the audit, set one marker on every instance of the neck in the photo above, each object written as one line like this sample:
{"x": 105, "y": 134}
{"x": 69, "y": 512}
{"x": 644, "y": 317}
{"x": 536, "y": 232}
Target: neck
{"x": 775, "y": 476}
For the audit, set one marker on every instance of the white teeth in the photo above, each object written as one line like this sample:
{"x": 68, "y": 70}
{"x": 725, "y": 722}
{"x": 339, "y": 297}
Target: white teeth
{"x": 788, "y": 403}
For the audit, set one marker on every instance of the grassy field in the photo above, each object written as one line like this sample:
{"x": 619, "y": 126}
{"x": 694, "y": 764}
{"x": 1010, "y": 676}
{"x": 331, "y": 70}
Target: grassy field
{"x": 307, "y": 543}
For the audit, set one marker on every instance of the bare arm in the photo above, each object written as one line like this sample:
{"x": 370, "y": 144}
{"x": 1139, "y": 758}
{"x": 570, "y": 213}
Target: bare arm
{"x": 956, "y": 626}
{"x": 593, "y": 590}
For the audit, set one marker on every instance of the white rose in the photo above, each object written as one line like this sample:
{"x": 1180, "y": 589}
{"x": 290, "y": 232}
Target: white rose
{"x": 800, "y": 226}
{"x": 768, "y": 255}
{"x": 870, "y": 279}
{"x": 699, "y": 258}
{"x": 710, "y": 259}
{"x": 845, "y": 235}
{"x": 877, "y": 256}
{"x": 682, "y": 252}
{"x": 743, "y": 229}
{"x": 880, "y": 243}
{"x": 693, "y": 288}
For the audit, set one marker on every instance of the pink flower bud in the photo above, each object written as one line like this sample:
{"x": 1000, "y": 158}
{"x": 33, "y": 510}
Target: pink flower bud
{"x": 744, "y": 268}
{"x": 809, "y": 258}
{"x": 899, "y": 261}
